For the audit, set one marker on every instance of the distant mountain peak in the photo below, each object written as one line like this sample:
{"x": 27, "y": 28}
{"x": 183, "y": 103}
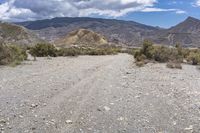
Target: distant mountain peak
{"x": 192, "y": 19}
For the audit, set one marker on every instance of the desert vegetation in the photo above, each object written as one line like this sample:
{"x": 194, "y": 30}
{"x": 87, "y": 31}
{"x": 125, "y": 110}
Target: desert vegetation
{"x": 173, "y": 56}
{"x": 12, "y": 55}
{"x": 43, "y": 50}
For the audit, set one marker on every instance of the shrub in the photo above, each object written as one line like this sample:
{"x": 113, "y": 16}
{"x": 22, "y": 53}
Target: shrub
{"x": 162, "y": 54}
{"x": 12, "y": 54}
{"x": 148, "y": 49}
{"x": 43, "y": 50}
{"x": 165, "y": 54}
{"x": 174, "y": 65}
{"x": 194, "y": 58}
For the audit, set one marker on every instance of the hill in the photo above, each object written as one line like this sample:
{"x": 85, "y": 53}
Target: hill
{"x": 82, "y": 37}
{"x": 18, "y": 35}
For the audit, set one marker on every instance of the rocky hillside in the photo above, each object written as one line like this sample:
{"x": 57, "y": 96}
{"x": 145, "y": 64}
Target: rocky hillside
{"x": 124, "y": 32}
{"x": 82, "y": 37}
{"x": 186, "y": 33}
{"x": 14, "y": 34}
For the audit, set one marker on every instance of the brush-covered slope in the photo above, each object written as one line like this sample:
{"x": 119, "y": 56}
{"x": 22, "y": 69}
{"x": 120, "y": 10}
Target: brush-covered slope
{"x": 82, "y": 37}
{"x": 17, "y": 35}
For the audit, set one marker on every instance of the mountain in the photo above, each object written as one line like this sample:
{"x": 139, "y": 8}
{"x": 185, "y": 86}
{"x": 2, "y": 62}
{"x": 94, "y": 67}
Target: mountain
{"x": 186, "y": 33}
{"x": 122, "y": 32}
{"x": 127, "y": 33}
{"x": 14, "y": 34}
{"x": 82, "y": 37}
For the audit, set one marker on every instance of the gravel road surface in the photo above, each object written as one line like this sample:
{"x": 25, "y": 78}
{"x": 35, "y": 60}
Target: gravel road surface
{"x": 98, "y": 94}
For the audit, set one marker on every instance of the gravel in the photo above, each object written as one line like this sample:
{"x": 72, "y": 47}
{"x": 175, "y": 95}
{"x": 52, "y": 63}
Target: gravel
{"x": 95, "y": 94}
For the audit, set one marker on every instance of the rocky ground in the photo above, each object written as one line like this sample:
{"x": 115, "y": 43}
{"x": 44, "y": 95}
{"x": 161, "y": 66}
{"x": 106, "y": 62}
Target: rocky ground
{"x": 98, "y": 94}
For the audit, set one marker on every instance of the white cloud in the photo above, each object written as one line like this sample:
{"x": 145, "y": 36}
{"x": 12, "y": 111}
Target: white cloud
{"x": 177, "y": 11}
{"x": 19, "y": 10}
{"x": 198, "y": 3}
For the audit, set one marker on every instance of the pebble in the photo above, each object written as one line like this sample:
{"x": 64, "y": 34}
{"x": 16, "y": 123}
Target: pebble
{"x": 34, "y": 105}
{"x": 106, "y": 108}
{"x": 128, "y": 73}
{"x": 190, "y": 128}
{"x": 68, "y": 122}
{"x": 120, "y": 119}
{"x": 174, "y": 123}
{"x": 2, "y": 121}
{"x": 21, "y": 116}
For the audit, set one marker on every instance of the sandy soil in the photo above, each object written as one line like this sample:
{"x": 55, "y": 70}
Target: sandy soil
{"x": 98, "y": 94}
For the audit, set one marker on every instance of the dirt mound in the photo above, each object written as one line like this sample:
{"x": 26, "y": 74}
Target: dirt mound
{"x": 82, "y": 37}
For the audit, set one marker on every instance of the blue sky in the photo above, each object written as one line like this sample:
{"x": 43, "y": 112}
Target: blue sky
{"x": 162, "y": 13}
{"x": 166, "y": 19}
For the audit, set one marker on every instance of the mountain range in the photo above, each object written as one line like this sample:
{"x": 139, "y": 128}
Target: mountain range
{"x": 127, "y": 33}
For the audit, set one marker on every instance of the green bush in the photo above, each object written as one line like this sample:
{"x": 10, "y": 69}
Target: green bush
{"x": 12, "y": 54}
{"x": 43, "y": 50}
{"x": 194, "y": 58}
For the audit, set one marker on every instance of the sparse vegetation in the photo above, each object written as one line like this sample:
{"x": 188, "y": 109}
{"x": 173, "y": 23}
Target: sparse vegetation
{"x": 11, "y": 55}
{"x": 174, "y": 56}
{"x": 44, "y": 50}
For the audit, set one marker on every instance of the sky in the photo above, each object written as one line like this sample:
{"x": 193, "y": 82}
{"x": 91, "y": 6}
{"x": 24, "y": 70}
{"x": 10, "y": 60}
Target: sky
{"x": 162, "y": 13}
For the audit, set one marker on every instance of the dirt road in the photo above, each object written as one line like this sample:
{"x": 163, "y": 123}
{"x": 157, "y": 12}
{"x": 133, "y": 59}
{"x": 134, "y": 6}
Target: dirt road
{"x": 98, "y": 94}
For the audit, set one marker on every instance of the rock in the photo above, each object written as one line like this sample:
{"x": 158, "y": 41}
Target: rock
{"x": 99, "y": 109}
{"x": 190, "y": 128}
{"x": 2, "y": 121}
{"x": 185, "y": 61}
{"x": 106, "y": 108}
{"x": 128, "y": 73}
{"x": 21, "y": 116}
{"x": 68, "y": 122}
{"x": 137, "y": 97}
{"x": 34, "y": 105}
{"x": 120, "y": 119}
